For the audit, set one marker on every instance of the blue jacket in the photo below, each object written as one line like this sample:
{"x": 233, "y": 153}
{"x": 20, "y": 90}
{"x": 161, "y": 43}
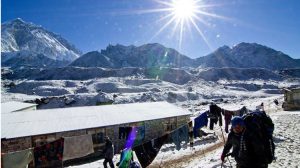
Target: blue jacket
{"x": 200, "y": 122}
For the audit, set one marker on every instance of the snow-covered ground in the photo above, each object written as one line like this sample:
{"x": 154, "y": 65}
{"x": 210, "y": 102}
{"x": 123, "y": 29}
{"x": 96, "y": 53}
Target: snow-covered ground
{"x": 71, "y": 93}
{"x": 207, "y": 150}
{"x": 287, "y": 141}
{"x": 194, "y": 96}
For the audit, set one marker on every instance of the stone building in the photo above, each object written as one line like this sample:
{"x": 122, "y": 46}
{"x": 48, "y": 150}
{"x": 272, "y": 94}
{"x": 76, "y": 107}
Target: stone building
{"x": 291, "y": 99}
{"x": 26, "y": 129}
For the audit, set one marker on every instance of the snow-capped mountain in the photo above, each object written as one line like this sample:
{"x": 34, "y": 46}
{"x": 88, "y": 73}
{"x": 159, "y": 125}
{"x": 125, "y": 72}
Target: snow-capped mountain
{"x": 148, "y": 55}
{"x": 93, "y": 59}
{"x": 243, "y": 55}
{"x": 20, "y": 36}
{"x": 29, "y": 43}
{"x": 248, "y": 55}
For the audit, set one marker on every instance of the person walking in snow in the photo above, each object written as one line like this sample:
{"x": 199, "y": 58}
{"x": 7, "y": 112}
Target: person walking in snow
{"x": 108, "y": 153}
{"x": 248, "y": 150}
{"x": 276, "y": 102}
{"x": 126, "y": 158}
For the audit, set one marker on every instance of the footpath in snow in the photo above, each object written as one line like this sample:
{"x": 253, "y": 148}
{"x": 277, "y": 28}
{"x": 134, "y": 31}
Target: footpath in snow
{"x": 286, "y": 138}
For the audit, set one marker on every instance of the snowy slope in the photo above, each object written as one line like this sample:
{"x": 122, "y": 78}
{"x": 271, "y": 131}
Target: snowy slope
{"x": 93, "y": 59}
{"x": 174, "y": 75}
{"x": 148, "y": 55}
{"x": 248, "y": 55}
{"x": 19, "y": 36}
{"x": 214, "y": 74}
{"x": 29, "y": 60}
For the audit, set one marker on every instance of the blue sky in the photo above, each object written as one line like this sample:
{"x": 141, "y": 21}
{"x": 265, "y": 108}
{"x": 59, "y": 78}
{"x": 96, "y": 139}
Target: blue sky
{"x": 93, "y": 24}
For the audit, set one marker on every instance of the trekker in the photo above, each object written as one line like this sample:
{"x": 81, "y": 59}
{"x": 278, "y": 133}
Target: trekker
{"x": 276, "y": 102}
{"x": 108, "y": 153}
{"x": 248, "y": 150}
{"x": 126, "y": 158}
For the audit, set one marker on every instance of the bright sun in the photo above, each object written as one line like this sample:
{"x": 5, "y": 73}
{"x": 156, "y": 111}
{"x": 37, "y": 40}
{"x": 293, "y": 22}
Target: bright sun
{"x": 183, "y": 9}
{"x": 182, "y": 15}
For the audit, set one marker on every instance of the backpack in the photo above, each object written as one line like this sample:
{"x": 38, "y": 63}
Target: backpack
{"x": 262, "y": 126}
{"x": 135, "y": 164}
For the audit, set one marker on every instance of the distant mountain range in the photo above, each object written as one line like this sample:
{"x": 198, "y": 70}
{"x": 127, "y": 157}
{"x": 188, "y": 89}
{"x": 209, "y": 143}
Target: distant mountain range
{"x": 28, "y": 45}
{"x": 146, "y": 56}
{"x": 248, "y": 55}
{"x": 243, "y": 55}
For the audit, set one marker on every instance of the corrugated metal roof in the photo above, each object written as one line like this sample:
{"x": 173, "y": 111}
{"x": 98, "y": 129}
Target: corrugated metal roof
{"x": 12, "y": 106}
{"x": 66, "y": 119}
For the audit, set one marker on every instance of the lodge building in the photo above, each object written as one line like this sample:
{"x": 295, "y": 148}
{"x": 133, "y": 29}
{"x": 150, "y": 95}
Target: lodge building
{"x": 24, "y": 127}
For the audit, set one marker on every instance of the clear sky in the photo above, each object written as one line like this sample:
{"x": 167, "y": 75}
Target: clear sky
{"x": 93, "y": 24}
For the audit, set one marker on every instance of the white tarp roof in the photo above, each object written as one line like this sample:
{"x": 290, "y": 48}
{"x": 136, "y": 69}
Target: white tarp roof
{"x": 12, "y": 106}
{"x": 66, "y": 119}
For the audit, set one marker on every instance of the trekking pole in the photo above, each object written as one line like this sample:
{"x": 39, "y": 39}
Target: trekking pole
{"x": 228, "y": 158}
{"x": 222, "y": 135}
{"x": 224, "y": 144}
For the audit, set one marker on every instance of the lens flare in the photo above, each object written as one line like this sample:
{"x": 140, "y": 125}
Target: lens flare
{"x": 131, "y": 138}
{"x": 183, "y": 9}
{"x": 183, "y": 15}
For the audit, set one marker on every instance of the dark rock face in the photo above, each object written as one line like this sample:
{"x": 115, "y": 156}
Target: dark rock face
{"x": 145, "y": 56}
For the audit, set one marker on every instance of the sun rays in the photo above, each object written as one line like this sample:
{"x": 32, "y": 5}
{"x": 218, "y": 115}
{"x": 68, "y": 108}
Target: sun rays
{"x": 183, "y": 9}
{"x": 179, "y": 19}
{"x": 183, "y": 15}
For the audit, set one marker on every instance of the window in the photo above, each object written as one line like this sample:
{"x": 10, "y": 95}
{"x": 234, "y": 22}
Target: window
{"x": 126, "y": 132}
{"x": 97, "y": 135}
{"x": 98, "y": 138}
{"x": 170, "y": 124}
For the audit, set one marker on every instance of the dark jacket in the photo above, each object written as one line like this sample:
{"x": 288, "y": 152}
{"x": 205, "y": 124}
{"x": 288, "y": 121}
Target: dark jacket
{"x": 108, "y": 150}
{"x": 248, "y": 150}
{"x": 215, "y": 115}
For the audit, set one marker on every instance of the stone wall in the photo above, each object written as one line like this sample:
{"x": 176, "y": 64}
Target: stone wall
{"x": 153, "y": 129}
{"x": 15, "y": 144}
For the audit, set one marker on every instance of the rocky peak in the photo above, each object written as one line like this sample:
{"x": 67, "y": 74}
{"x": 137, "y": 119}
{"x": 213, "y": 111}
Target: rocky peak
{"x": 20, "y": 36}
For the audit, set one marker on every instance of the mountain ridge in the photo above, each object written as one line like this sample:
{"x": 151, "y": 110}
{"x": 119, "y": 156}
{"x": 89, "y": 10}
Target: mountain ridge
{"x": 32, "y": 40}
{"x": 248, "y": 55}
{"x": 243, "y": 55}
